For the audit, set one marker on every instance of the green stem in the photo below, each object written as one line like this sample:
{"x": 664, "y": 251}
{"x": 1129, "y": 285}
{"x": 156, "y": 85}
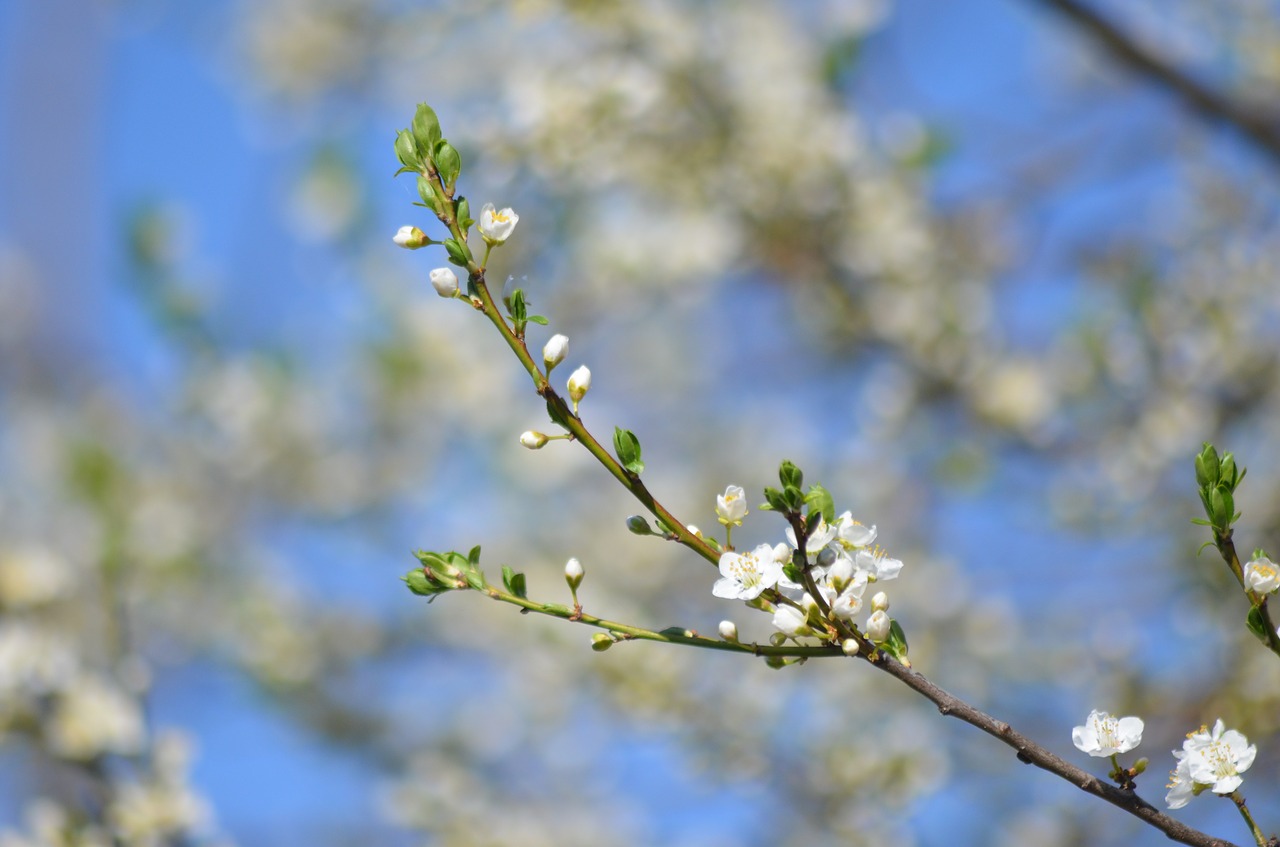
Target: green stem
{"x": 1238, "y": 799}
{"x": 671, "y": 635}
{"x": 1227, "y": 548}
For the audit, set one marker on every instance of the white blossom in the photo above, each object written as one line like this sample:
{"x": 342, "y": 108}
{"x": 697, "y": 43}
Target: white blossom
{"x": 878, "y": 626}
{"x": 731, "y": 506}
{"x": 1181, "y": 786}
{"x": 410, "y": 238}
{"x": 729, "y": 631}
{"x": 744, "y": 576}
{"x": 554, "y": 351}
{"x": 1103, "y": 735}
{"x": 1262, "y": 575}
{"x": 91, "y": 717}
{"x": 533, "y": 439}
{"x": 852, "y": 533}
{"x": 445, "y": 282}
{"x": 1217, "y": 757}
{"x": 791, "y": 621}
{"x": 877, "y": 565}
{"x": 496, "y": 226}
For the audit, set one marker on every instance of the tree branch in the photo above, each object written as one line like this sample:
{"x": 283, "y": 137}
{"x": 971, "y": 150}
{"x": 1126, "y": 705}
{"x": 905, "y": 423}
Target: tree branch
{"x": 1262, "y": 130}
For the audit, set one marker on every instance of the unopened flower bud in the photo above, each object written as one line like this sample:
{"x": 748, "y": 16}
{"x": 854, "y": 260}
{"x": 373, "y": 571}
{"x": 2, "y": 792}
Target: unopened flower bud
{"x": 729, "y": 631}
{"x": 880, "y": 602}
{"x": 827, "y": 557}
{"x": 554, "y": 351}
{"x": 579, "y": 384}
{"x": 410, "y": 238}
{"x": 776, "y": 662}
{"x": 639, "y": 526}
{"x": 573, "y": 573}
{"x": 694, "y": 531}
{"x": 533, "y": 440}
{"x": 850, "y": 646}
{"x": 601, "y": 642}
{"x": 841, "y": 573}
{"x": 878, "y": 626}
{"x": 445, "y": 282}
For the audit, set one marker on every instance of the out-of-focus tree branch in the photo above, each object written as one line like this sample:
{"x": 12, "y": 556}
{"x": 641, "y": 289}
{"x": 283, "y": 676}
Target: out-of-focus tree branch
{"x": 1261, "y": 129}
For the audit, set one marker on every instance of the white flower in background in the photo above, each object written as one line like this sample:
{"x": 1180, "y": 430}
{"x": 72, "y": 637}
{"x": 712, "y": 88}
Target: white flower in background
{"x": 731, "y": 506}
{"x": 445, "y": 282}
{"x": 554, "y": 351}
{"x": 533, "y": 440}
{"x": 878, "y": 626}
{"x": 877, "y": 565}
{"x": 31, "y": 577}
{"x": 729, "y": 631}
{"x": 1262, "y": 575}
{"x": 1102, "y": 735}
{"x": 852, "y": 533}
{"x": 579, "y": 385}
{"x": 744, "y": 576}
{"x": 1217, "y": 758}
{"x": 163, "y": 806}
{"x": 410, "y": 238}
{"x": 32, "y": 661}
{"x": 91, "y": 717}
{"x": 495, "y": 226}
{"x": 1181, "y": 786}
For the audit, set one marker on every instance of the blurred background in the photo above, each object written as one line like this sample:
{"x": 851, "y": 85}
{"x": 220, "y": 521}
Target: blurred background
{"x": 990, "y": 272}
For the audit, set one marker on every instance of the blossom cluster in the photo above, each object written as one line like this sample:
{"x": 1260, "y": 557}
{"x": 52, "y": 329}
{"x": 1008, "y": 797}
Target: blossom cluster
{"x": 1210, "y": 759}
{"x": 840, "y": 559}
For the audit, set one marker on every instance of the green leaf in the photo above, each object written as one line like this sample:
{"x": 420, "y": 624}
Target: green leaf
{"x": 427, "y": 194}
{"x": 473, "y": 558}
{"x": 538, "y": 319}
{"x": 1257, "y": 623}
{"x": 819, "y": 500}
{"x": 790, "y": 475}
{"x": 407, "y": 151}
{"x": 462, "y": 213}
{"x": 419, "y": 583}
{"x": 448, "y": 162}
{"x": 557, "y": 412}
{"x": 458, "y": 253}
{"x": 507, "y": 573}
{"x": 556, "y": 609}
{"x": 475, "y": 578}
{"x": 627, "y": 448}
{"x": 518, "y": 587}
{"x": 896, "y": 644}
{"x": 426, "y": 127}
{"x": 519, "y": 311}
{"x": 793, "y": 497}
{"x": 775, "y": 500}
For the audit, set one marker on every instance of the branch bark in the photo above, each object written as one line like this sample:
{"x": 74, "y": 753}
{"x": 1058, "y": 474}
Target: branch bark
{"x": 1261, "y": 130}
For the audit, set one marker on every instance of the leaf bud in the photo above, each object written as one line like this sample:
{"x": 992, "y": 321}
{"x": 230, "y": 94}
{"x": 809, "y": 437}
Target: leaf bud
{"x": 601, "y": 642}
{"x": 637, "y": 525}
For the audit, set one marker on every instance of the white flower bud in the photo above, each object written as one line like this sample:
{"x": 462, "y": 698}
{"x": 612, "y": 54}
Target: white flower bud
{"x": 579, "y": 385}
{"x": 573, "y": 573}
{"x": 445, "y": 282}
{"x": 496, "y": 226}
{"x": 554, "y": 351}
{"x": 729, "y": 631}
{"x": 880, "y": 602}
{"x": 878, "y": 626}
{"x": 850, "y": 646}
{"x": 693, "y": 530}
{"x": 533, "y": 440}
{"x": 410, "y": 238}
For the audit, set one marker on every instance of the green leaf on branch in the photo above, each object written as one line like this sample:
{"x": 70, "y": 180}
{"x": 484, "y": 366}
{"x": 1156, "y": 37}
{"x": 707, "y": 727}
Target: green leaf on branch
{"x": 790, "y": 475}
{"x": 538, "y": 319}
{"x": 420, "y": 583}
{"x": 407, "y": 153}
{"x": 473, "y": 558}
{"x": 514, "y": 582}
{"x": 426, "y": 127}
{"x": 448, "y": 162}
{"x": 819, "y": 501}
{"x": 896, "y": 644}
{"x": 462, "y": 213}
{"x": 427, "y": 194}
{"x": 557, "y": 412}
{"x": 627, "y": 448}
{"x": 774, "y": 500}
{"x": 1256, "y": 621}
{"x": 458, "y": 253}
